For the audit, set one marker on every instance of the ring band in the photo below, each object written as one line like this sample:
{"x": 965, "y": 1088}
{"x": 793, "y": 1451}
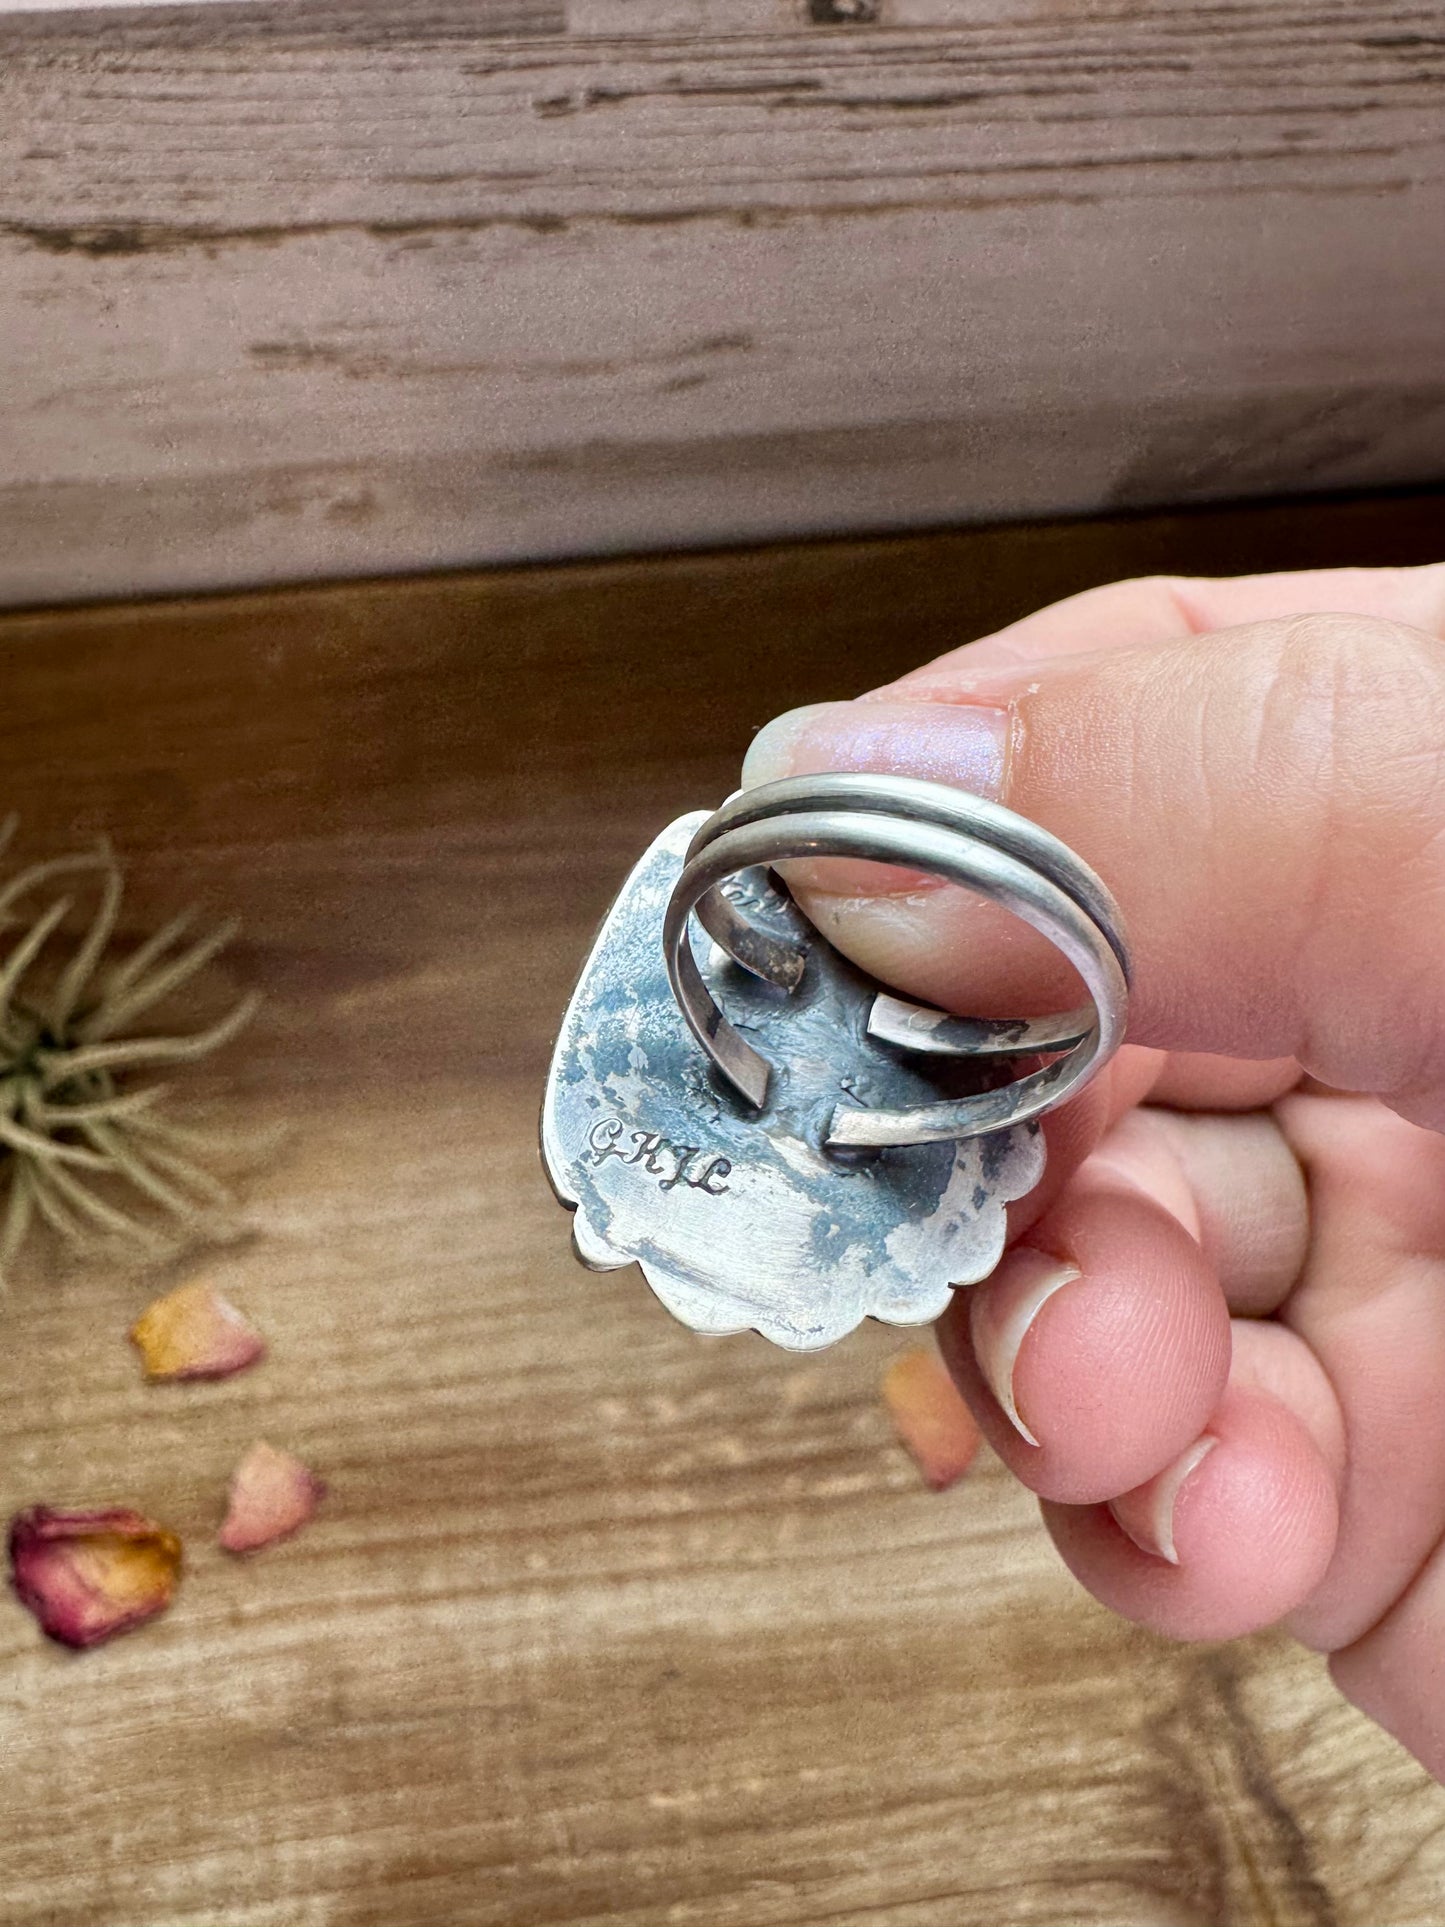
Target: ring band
{"x": 908, "y": 798}
{"x": 948, "y": 834}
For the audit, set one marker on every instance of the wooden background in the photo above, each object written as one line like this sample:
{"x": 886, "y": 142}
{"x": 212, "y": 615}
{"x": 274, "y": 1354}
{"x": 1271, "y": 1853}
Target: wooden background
{"x": 602, "y": 1623}
{"x": 319, "y": 287}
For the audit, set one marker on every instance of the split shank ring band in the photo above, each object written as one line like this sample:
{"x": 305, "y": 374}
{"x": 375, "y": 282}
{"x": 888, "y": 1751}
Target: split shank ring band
{"x": 945, "y": 833}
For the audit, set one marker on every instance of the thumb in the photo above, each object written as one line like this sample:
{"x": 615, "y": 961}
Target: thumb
{"x": 1266, "y": 803}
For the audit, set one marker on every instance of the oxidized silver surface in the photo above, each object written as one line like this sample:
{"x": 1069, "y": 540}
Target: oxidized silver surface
{"x": 739, "y": 1217}
{"x": 949, "y": 834}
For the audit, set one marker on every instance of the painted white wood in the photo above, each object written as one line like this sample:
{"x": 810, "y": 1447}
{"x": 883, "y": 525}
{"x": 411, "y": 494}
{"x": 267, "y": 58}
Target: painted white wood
{"x": 91, "y": 6}
{"x": 301, "y": 289}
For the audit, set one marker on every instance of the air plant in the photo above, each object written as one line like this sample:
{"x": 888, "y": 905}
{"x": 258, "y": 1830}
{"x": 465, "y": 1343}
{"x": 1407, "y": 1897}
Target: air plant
{"x": 84, "y": 1147}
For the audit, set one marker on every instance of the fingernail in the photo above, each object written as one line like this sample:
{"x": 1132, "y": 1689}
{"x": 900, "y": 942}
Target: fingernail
{"x": 1002, "y": 1317}
{"x": 1146, "y": 1515}
{"x": 965, "y": 744}
{"x": 770, "y": 754}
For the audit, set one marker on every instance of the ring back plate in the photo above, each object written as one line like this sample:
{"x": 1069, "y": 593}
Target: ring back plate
{"x": 737, "y": 1217}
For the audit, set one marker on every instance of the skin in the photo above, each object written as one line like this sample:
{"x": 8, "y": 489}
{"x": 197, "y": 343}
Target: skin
{"x": 1245, "y": 1214}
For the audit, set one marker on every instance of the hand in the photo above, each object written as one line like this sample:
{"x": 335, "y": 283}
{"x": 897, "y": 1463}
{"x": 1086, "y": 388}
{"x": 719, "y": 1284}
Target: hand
{"x": 1216, "y": 1346}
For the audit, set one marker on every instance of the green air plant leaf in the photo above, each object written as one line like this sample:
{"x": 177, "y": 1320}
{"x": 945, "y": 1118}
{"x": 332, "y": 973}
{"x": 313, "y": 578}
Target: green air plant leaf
{"x": 85, "y": 1146}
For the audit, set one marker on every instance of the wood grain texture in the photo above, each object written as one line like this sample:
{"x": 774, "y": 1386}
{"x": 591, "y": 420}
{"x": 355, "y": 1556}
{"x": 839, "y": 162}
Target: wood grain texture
{"x": 601, "y": 1622}
{"x": 96, "y": 6}
{"x": 296, "y": 289}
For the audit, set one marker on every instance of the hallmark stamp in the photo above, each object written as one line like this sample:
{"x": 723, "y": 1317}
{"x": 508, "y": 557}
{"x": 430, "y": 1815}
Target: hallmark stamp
{"x": 671, "y": 1164}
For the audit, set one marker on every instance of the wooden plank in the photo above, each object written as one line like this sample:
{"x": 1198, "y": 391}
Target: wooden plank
{"x": 601, "y": 1622}
{"x": 292, "y": 290}
{"x": 95, "y": 6}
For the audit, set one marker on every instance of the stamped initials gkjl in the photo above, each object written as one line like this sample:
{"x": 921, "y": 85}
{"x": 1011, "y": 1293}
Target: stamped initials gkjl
{"x": 671, "y": 1164}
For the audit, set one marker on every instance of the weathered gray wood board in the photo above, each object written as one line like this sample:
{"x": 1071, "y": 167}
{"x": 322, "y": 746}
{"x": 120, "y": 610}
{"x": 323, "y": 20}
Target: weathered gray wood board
{"x": 301, "y": 289}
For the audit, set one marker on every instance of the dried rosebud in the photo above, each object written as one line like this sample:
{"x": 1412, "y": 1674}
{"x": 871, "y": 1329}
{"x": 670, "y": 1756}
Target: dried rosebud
{"x": 195, "y": 1333}
{"x": 87, "y": 1576}
{"x": 930, "y": 1417}
{"x": 272, "y": 1494}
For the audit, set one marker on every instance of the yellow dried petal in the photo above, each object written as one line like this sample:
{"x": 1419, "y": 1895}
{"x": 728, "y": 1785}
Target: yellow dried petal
{"x": 195, "y": 1333}
{"x": 930, "y": 1417}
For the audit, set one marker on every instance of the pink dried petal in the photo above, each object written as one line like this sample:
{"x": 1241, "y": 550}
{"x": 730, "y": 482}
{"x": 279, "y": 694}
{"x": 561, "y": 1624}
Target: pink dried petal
{"x": 930, "y": 1417}
{"x": 195, "y": 1333}
{"x": 89, "y": 1575}
{"x": 272, "y": 1494}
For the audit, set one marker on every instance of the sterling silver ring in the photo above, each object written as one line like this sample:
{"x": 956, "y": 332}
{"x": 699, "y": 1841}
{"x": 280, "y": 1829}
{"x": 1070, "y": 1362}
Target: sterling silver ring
{"x": 942, "y": 832}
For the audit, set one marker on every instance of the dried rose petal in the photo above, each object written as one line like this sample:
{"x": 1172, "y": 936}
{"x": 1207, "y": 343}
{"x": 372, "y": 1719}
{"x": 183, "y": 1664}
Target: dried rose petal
{"x": 89, "y": 1575}
{"x": 272, "y": 1494}
{"x": 930, "y": 1417}
{"x": 195, "y": 1333}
